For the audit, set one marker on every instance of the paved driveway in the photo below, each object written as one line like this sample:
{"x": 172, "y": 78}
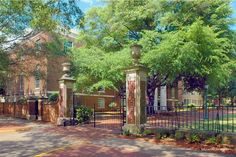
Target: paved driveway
{"x": 29, "y": 142}
{"x": 48, "y": 140}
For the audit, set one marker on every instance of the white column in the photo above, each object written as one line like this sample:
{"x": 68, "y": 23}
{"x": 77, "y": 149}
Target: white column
{"x": 163, "y": 98}
{"x": 156, "y": 99}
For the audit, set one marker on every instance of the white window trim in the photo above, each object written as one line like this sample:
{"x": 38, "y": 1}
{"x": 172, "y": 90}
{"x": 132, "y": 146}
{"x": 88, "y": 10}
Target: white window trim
{"x": 104, "y": 103}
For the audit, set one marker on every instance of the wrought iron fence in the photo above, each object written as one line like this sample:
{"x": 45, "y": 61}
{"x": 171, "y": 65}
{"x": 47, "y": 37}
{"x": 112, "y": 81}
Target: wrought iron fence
{"x": 109, "y": 118}
{"x": 213, "y": 118}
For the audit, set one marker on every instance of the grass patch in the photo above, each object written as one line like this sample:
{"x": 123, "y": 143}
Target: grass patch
{"x": 227, "y": 123}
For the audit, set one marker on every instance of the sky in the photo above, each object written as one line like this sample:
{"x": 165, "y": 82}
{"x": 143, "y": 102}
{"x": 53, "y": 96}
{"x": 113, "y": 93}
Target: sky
{"x": 87, "y": 4}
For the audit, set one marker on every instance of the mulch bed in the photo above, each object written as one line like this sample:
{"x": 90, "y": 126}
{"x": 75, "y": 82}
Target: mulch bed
{"x": 216, "y": 148}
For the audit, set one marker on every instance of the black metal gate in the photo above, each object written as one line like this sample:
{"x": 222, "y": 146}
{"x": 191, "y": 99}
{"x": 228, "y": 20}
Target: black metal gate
{"x": 113, "y": 119}
{"x": 36, "y": 108}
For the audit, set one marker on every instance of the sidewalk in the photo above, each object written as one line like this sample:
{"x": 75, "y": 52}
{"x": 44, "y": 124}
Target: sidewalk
{"x": 8, "y": 124}
{"x": 101, "y": 143}
{"x": 76, "y": 141}
{"x": 115, "y": 147}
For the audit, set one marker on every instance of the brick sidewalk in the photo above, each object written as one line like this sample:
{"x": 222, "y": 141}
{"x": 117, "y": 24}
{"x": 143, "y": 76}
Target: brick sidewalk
{"x": 8, "y": 125}
{"x": 103, "y": 143}
{"x": 91, "y": 150}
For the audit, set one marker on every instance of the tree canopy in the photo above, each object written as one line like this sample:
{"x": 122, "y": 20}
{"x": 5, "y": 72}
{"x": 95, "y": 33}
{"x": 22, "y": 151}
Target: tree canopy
{"x": 189, "y": 40}
{"x": 21, "y": 19}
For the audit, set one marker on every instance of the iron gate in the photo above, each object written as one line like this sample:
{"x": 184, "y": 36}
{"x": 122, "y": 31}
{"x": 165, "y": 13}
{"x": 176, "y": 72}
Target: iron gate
{"x": 112, "y": 119}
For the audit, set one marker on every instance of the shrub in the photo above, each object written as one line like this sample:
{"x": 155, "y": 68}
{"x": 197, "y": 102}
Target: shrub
{"x": 226, "y": 139}
{"x": 179, "y": 135}
{"x": 147, "y": 132}
{"x": 126, "y": 133}
{"x": 206, "y": 134}
{"x": 22, "y": 101}
{"x": 228, "y": 105}
{"x": 83, "y": 114}
{"x": 210, "y": 105}
{"x": 219, "y": 139}
{"x": 158, "y": 136}
{"x": 211, "y": 140}
{"x": 112, "y": 105}
{"x": 53, "y": 97}
{"x": 191, "y": 105}
{"x": 193, "y": 137}
{"x": 164, "y": 133}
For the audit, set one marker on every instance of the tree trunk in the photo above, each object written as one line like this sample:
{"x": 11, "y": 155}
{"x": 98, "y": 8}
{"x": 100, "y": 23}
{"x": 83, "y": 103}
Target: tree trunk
{"x": 219, "y": 98}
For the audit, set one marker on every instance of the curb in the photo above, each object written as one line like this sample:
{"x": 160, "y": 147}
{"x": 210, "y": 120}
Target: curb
{"x": 15, "y": 130}
{"x": 60, "y": 148}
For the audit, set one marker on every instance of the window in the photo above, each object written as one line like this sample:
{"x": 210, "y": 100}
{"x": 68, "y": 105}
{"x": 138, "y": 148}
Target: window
{"x": 37, "y": 76}
{"x": 101, "y": 90}
{"x": 101, "y": 103}
{"x": 67, "y": 46}
{"x": 38, "y": 46}
{"x": 185, "y": 101}
{"x": 21, "y": 83}
{"x": 172, "y": 92}
{"x": 37, "y": 83}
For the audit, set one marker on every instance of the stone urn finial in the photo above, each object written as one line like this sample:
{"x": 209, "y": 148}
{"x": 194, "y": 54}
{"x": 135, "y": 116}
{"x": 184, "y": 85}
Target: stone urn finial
{"x": 136, "y": 53}
{"x": 66, "y": 68}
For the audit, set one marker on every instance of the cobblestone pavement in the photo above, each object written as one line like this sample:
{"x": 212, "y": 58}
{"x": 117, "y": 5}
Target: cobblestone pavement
{"x": 48, "y": 140}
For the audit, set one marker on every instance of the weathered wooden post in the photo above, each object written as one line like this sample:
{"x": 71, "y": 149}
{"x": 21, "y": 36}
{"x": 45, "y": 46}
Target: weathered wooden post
{"x": 136, "y": 85}
{"x": 66, "y": 84}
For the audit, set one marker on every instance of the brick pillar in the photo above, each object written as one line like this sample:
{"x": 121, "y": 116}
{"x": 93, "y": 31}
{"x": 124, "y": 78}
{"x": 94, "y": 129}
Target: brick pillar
{"x": 136, "y": 87}
{"x": 31, "y": 114}
{"x": 66, "y": 84}
{"x": 41, "y": 101}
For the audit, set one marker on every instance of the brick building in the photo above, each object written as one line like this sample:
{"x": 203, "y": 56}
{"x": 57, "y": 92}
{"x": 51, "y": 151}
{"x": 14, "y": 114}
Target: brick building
{"x": 169, "y": 96}
{"x": 33, "y": 70}
{"x": 36, "y": 72}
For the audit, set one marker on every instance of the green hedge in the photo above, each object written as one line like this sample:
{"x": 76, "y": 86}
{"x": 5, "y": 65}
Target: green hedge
{"x": 83, "y": 114}
{"x": 53, "y": 97}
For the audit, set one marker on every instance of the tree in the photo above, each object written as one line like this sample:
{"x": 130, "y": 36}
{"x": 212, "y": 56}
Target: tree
{"x": 181, "y": 39}
{"x": 21, "y": 19}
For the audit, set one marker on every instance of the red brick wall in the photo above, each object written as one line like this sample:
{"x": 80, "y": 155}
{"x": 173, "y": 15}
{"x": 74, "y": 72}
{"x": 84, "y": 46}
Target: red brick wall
{"x": 54, "y": 72}
{"x": 13, "y": 110}
{"x": 21, "y": 110}
{"x": 90, "y": 101}
{"x": 50, "y": 67}
{"x": 50, "y": 111}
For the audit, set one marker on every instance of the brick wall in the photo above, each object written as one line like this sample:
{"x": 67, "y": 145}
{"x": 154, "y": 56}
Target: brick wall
{"x": 50, "y": 111}
{"x": 13, "y": 110}
{"x": 90, "y": 101}
{"x": 54, "y": 72}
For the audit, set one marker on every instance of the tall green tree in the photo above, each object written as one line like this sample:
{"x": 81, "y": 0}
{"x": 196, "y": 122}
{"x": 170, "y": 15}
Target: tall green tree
{"x": 21, "y": 19}
{"x": 181, "y": 39}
